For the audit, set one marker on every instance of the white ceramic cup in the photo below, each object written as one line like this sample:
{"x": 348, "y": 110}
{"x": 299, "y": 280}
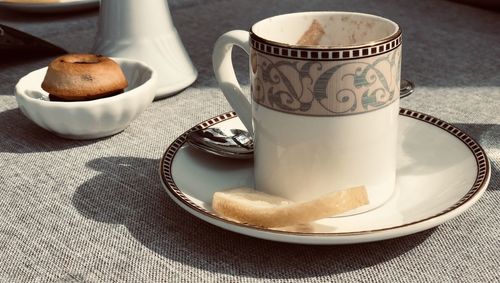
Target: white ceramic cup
{"x": 324, "y": 116}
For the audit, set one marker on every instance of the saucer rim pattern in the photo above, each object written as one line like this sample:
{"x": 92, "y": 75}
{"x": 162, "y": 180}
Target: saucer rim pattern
{"x": 479, "y": 185}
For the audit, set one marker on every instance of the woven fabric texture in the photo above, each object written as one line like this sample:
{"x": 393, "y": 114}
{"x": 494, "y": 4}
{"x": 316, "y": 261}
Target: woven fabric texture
{"x": 95, "y": 211}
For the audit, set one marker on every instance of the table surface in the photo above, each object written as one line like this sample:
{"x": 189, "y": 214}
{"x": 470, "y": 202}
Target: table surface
{"x": 96, "y": 211}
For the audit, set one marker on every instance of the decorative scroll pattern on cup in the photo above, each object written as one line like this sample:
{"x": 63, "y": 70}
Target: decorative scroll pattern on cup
{"x": 325, "y": 88}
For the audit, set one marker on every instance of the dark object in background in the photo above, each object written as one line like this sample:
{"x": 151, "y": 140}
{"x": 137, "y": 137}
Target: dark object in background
{"x": 493, "y": 5}
{"x": 20, "y": 46}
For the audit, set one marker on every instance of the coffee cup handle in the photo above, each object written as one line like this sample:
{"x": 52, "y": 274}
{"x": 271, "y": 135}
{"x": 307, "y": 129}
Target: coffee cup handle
{"x": 224, "y": 72}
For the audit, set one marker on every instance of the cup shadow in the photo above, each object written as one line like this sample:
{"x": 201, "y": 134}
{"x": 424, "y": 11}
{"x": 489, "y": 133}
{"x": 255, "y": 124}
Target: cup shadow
{"x": 484, "y": 134}
{"x": 488, "y": 136}
{"x": 128, "y": 192}
{"x": 24, "y": 136}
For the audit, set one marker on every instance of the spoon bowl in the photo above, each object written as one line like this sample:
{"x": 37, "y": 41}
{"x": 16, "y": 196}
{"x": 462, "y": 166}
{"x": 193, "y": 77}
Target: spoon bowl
{"x": 233, "y": 143}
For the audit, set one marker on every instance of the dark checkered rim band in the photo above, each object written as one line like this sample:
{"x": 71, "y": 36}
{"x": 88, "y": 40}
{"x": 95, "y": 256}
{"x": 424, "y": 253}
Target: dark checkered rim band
{"x": 306, "y": 53}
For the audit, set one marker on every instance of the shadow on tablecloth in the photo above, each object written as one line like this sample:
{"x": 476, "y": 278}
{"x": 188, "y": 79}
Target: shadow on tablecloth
{"x": 128, "y": 192}
{"x": 18, "y": 134}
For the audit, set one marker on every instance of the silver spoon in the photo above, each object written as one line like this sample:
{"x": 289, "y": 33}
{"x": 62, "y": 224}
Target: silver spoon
{"x": 237, "y": 143}
{"x": 233, "y": 143}
{"x": 406, "y": 88}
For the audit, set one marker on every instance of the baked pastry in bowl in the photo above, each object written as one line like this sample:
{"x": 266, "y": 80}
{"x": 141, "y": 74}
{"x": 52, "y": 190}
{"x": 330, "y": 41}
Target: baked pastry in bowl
{"x": 77, "y": 77}
{"x": 88, "y": 119}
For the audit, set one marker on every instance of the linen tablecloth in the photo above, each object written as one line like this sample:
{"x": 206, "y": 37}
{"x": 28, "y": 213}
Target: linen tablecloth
{"x": 95, "y": 211}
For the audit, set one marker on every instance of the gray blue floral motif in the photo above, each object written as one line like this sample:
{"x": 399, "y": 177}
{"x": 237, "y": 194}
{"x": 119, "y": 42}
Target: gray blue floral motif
{"x": 301, "y": 87}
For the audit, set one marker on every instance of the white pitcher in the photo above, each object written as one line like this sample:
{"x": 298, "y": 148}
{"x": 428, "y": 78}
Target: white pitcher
{"x": 144, "y": 30}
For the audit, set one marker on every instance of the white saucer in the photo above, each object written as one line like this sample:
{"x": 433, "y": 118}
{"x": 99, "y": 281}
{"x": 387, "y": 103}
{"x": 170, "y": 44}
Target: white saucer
{"x": 441, "y": 172}
{"x": 55, "y": 7}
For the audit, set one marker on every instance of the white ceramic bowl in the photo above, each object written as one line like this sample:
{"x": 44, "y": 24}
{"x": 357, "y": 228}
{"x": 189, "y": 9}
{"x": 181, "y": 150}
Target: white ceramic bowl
{"x": 88, "y": 119}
